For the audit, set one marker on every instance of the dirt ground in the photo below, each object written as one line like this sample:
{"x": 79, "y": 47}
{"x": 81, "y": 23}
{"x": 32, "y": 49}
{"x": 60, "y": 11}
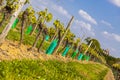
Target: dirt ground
{"x": 109, "y": 76}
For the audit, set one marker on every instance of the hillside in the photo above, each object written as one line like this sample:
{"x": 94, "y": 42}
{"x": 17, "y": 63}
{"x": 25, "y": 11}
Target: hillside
{"x": 42, "y": 40}
{"x": 28, "y": 65}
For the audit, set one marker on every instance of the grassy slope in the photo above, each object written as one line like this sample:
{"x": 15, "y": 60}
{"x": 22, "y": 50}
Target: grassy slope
{"x": 28, "y": 40}
{"x": 50, "y": 70}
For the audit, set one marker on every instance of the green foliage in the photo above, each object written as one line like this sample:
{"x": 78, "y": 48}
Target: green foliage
{"x": 111, "y": 60}
{"x": 1, "y": 16}
{"x": 56, "y": 23}
{"x": 44, "y": 16}
{"x": 12, "y": 4}
{"x": 51, "y": 31}
{"x": 31, "y": 15}
{"x": 95, "y": 45}
{"x": 50, "y": 70}
{"x": 70, "y": 36}
{"x": 116, "y": 65}
{"x": 94, "y": 53}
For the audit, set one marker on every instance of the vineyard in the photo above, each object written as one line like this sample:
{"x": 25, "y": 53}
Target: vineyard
{"x": 24, "y": 35}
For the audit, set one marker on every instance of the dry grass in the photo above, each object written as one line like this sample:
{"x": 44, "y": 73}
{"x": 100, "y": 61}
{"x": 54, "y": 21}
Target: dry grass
{"x": 10, "y": 50}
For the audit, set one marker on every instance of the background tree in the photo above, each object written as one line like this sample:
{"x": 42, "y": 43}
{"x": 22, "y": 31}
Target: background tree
{"x": 95, "y": 45}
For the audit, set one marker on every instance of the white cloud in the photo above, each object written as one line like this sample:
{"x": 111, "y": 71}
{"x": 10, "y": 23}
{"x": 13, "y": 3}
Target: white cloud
{"x": 105, "y": 32}
{"x": 112, "y": 36}
{"x": 117, "y": 37}
{"x": 61, "y": 10}
{"x": 86, "y": 26}
{"x": 113, "y": 49}
{"x": 71, "y": 0}
{"x": 52, "y": 7}
{"x": 87, "y": 17}
{"x": 115, "y": 2}
{"x": 106, "y": 23}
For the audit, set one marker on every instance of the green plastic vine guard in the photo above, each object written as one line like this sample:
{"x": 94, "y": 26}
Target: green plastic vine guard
{"x": 83, "y": 58}
{"x": 80, "y": 56}
{"x": 29, "y": 29}
{"x": 65, "y": 51}
{"x": 52, "y": 46}
{"x": 74, "y": 53}
{"x": 47, "y": 37}
{"x": 15, "y": 23}
{"x": 87, "y": 58}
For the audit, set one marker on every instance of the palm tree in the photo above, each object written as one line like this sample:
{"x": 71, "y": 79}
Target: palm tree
{"x": 15, "y": 14}
{"x": 75, "y": 51}
{"x": 1, "y": 1}
{"x": 62, "y": 38}
{"x": 51, "y": 32}
{"x": 45, "y": 17}
{"x": 27, "y": 14}
{"x": 57, "y": 25}
{"x": 45, "y": 32}
{"x": 6, "y": 11}
{"x": 41, "y": 14}
{"x": 37, "y": 23}
{"x": 1, "y": 4}
{"x": 68, "y": 40}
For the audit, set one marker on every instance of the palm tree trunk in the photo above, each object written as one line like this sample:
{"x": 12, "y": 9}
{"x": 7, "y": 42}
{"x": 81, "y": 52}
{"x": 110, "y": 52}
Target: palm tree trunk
{"x": 78, "y": 45}
{"x": 22, "y": 32}
{"x": 14, "y": 16}
{"x": 1, "y": 4}
{"x": 3, "y": 19}
{"x": 41, "y": 44}
{"x": 55, "y": 35}
{"x": 34, "y": 29}
{"x": 35, "y": 26}
{"x": 64, "y": 46}
{"x": 6, "y": 17}
{"x": 60, "y": 41}
{"x": 37, "y": 38}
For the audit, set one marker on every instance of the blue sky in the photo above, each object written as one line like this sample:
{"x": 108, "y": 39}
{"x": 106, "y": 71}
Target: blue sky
{"x": 98, "y": 19}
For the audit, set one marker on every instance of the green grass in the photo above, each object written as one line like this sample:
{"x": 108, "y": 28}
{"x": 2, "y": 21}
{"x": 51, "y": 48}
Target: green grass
{"x": 50, "y": 70}
{"x": 28, "y": 40}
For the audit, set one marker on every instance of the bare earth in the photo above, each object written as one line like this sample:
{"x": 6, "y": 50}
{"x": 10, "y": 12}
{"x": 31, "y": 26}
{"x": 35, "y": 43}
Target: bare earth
{"x": 109, "y": 76}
